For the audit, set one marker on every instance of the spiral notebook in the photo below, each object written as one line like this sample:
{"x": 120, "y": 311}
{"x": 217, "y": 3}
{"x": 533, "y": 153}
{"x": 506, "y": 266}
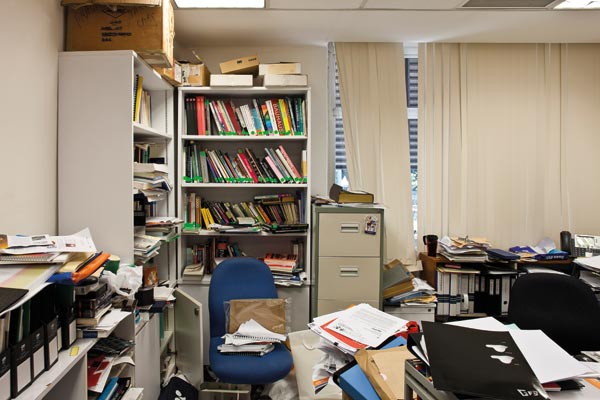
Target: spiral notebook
{"x": 35, "y": 258}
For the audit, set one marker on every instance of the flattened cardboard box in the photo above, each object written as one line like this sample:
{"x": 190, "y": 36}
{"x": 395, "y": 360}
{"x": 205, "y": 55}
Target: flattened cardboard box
{"x": 172, "y": 75}
{"x": 244, "y": 65}
{"x": 147, "y": 30}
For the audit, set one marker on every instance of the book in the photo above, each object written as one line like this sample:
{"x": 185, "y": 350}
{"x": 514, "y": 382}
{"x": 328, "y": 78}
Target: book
{"x": 109, "y": 389}
{"x": 139, "y": 79}
{"x": 341, "y": 195}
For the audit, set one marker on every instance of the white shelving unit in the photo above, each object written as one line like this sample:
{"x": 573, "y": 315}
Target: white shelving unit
{"x": 96, "y": 140}
{"x": 96, "y": 137}
{"x": 255, "y": 244}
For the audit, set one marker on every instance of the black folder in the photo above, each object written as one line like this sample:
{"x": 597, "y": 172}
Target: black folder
{"x": 479, "y": 363}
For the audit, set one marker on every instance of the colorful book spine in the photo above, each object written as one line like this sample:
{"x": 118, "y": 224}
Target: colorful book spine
{"x": 290, "y": 163}
{"x": 284, "y": 116}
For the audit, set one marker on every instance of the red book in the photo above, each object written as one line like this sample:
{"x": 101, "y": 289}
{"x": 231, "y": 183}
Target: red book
{"x": 247, "y": 164}
{"x": 233, "y": 119}
{"x": 200, "y": 117}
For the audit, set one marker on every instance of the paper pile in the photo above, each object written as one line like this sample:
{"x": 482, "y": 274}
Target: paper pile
{"x": 464, "y": 249}
{"x": 251, "y": 339}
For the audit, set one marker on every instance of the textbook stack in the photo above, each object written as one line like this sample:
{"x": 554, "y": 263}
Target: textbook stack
{"x": 285, "y": 268}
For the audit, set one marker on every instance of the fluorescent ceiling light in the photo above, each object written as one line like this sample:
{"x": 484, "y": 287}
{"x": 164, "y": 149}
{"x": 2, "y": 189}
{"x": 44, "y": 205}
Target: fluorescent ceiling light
{"x": 220, "y": 3}
{"x": 578, "y": 4}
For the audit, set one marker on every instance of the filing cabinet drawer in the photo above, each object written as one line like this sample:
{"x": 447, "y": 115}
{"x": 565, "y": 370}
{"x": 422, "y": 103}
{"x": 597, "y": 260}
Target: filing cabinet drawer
{"x": 342, "y": 234}
{"x": 345, "y": 278}
{"x": 329, "y": 306}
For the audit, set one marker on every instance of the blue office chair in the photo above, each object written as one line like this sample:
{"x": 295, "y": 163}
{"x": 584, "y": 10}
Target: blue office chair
{"x": 562, "y": 306}
{"x": 242, "y": 278}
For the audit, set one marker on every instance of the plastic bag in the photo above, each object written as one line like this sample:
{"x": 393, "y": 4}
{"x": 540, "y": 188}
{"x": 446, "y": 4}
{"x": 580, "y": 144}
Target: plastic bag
{"x": 127, "y": 277}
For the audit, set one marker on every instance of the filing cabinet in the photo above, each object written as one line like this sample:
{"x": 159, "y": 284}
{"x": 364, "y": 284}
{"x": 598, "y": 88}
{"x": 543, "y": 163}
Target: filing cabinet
{"x": 347, "y": 257}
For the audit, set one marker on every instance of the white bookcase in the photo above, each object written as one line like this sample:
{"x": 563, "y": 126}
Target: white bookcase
{"x": 252, "y": 244}
{"x": 96, "y": 141}
{"x": 96, "y": 138}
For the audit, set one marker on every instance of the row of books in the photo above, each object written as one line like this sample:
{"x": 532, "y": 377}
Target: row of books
{"x": 216, "y": 166}
{"x": 203, "y": 258}
{"x": 148, "y": 153}
{"x": 142, "y": 104}
{"x": 473, "y": 291}
{"x": 277, "y": 116}
{"x": 201, "y": 214}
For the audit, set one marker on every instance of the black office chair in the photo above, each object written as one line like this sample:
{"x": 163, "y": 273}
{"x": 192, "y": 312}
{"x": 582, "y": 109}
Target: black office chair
{"x": 562, "y": 306}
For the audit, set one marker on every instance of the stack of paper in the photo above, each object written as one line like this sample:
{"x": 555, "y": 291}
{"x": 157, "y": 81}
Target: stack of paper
{"x": 421, "y": 293}
{"x": 145, "y": 247}
{"x": 464, "y": 249}
{"x": 251, "y": 338}
{"x": 357, "y": 327}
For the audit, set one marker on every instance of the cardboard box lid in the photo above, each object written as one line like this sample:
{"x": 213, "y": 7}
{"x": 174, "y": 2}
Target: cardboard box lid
{"x": 157, "y": 3}
{"x": 243, "y": 65}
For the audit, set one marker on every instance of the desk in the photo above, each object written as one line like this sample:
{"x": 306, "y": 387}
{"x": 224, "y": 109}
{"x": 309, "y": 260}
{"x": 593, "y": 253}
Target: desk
{"x": 415, "y": 382}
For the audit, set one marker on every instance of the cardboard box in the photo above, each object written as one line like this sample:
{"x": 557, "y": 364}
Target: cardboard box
{"x": 195, "y": 74}
{"x": 285, "y": 80}
{"x": 244, "y": 65}
{"x": 147, "y": 30}
{"x": 280, "y": 68}
{"x": 171, "y": 75}
{"x": 230, "y": 80}
{"x": 112, "y": 2}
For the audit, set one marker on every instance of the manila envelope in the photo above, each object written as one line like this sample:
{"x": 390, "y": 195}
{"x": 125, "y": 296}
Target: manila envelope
{"x": 385, "y": 370}
{"x": 270, "y": 313}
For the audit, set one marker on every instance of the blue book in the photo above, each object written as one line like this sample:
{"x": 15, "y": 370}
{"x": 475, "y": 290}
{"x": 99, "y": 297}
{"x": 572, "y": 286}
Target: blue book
{"x": 109, "y": 389}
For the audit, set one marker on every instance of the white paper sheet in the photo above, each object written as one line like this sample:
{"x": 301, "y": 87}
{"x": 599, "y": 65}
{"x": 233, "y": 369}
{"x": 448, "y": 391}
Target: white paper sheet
{"x": 484, "y": 324}
{"x": 366, "y": 324}
{"x": 548, "y": 360}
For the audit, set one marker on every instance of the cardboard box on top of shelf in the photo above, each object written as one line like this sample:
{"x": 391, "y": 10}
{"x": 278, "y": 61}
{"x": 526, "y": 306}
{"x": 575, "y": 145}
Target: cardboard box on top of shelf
{"x": 112, "y": 2}
{"x": 243, "y": 65}
{"x": 285, "y": 80}
{"x": 195, "y": 74}
{"x": 171, "y": 75}
{"x": 149, "y": 31}
{"x": 234, "y": 80}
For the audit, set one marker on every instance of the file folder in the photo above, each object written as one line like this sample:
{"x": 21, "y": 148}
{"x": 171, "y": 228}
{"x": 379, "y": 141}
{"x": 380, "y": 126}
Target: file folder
{"x": 20, "y": 375}
{"x": 5, "y": 375}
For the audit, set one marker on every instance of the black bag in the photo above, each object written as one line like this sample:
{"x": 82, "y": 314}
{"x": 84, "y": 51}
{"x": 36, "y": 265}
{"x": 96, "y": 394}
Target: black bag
{"x": 178, "y": 389}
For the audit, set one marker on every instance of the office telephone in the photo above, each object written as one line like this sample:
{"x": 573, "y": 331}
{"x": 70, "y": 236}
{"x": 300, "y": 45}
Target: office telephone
{"x": 580, "y": 245}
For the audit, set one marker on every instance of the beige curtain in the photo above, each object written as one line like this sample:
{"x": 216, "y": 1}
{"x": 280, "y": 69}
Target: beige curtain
{"x": 504, "y": 131}
{"x": 373, "y": 96}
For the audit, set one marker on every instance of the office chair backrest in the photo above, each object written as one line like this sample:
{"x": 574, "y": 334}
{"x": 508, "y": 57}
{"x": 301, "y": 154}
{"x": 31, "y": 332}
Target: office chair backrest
{"x": 237, "y": 278}
{"x": 562, "y": 306}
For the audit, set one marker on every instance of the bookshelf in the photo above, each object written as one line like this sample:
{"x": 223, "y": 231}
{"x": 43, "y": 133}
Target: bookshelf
{"x": 237, "y": 187}
{"x": 98, "y": 139}
{"x": 98, "y": 142}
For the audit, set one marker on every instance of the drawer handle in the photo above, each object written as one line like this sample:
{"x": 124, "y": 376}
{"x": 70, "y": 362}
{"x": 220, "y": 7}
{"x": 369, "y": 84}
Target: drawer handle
{"x": 349, "y": 227}
{"x": 349, "y": 271}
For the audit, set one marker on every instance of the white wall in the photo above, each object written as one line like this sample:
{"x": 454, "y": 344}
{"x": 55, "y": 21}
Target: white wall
{"x": 314, "y": 64}
{"x": 31, "y": 34}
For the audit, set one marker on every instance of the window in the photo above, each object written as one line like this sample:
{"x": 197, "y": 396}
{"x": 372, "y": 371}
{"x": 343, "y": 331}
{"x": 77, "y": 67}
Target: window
{"x": 411, "y": 70}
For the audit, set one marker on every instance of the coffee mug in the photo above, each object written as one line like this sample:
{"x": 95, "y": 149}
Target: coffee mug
{"x": 431, "y": 242}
